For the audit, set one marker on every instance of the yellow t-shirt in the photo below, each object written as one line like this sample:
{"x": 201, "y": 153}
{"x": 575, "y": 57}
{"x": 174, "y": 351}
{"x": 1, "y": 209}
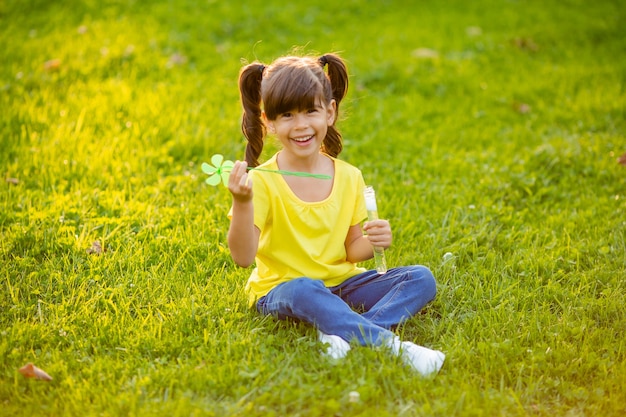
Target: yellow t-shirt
{"x": 304, "y": 239}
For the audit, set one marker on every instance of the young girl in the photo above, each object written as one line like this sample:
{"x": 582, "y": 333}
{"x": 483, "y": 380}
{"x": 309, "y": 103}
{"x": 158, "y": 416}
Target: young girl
{"x": 304, "y": 233}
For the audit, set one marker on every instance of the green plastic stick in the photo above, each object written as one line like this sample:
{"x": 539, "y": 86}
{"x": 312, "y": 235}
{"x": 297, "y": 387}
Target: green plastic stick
{"x": 220, "y": 171}
{"x": 296, "y": 174}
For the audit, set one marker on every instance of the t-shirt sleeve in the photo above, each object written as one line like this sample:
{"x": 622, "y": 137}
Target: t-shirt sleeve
{"x": 360, "y": 212}
{"x": 260, "y": 200}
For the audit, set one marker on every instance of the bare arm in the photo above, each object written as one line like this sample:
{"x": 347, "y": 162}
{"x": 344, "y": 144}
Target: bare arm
{"x": 243, "y": 235}
{"x": 359, "y": 246}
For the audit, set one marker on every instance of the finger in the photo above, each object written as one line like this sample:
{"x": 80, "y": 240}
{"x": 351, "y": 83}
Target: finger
{"x": 238, "y": 169}
{"x": 244, "y": 180}
{"x": 374, "y": 226}
{"x": 381, "y": 241}
{"x": 236, "y": 172}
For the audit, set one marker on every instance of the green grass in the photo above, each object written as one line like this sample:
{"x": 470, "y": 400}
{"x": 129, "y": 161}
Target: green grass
{"x": 500, "y": 147}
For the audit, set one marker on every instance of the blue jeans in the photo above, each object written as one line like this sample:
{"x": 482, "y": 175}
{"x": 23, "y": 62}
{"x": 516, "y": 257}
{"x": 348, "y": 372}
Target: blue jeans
{"x": 381, "y": 302}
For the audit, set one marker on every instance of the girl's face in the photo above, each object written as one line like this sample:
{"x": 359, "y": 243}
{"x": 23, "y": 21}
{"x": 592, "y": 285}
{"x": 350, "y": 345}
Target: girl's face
{"x": 301, "y": 132}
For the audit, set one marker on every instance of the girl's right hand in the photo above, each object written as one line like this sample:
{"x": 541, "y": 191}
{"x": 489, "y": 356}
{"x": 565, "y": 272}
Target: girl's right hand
{"x": 239, "y": 184}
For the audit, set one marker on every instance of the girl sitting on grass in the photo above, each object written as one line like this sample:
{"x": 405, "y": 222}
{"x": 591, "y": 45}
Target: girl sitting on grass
{"x": 304, "y": 233}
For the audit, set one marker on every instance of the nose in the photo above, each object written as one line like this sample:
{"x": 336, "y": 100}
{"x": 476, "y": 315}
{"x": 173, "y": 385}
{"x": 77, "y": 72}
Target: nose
{"x": 301, "y": 121}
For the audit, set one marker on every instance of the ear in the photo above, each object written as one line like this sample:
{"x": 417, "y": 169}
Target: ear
{"x": 268, "y": 124}
{"x": 331, "y": 112}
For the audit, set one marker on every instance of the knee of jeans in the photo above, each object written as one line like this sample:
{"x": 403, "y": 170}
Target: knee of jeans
{"x": 424, "y": 277}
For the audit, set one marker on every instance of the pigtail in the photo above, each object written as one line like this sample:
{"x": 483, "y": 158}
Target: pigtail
{"x": 252, "y": 124}
{"x": 338, "y": 75}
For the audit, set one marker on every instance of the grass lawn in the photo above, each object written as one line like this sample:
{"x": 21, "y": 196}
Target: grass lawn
{"x": 491, "y": 131}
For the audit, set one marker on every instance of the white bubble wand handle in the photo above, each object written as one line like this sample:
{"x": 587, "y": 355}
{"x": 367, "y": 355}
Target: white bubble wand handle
{"x": 372, "y": 214}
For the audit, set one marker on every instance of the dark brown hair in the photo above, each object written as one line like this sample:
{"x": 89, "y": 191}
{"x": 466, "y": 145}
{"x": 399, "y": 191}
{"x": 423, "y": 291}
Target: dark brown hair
{"x": 290, "y": 83}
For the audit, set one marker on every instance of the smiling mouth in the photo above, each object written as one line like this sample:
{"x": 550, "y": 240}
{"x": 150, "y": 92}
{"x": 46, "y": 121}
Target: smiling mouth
{"x": 303, "y": 140}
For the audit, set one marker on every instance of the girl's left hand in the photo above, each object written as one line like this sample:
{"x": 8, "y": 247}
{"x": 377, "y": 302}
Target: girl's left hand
{"x": 378, "y": 233}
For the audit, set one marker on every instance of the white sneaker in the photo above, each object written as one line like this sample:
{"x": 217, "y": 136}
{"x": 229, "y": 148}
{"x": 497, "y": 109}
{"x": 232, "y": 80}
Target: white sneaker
{"x": 423, "y": 360}
{"x": 338, "y": 347}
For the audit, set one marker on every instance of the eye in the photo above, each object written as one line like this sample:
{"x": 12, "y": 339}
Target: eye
{"x": 285, "y": 115}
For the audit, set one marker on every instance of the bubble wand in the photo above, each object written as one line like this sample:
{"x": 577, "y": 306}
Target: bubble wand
{"x": 220, "y": 171}
{"x": 372, "y": 214}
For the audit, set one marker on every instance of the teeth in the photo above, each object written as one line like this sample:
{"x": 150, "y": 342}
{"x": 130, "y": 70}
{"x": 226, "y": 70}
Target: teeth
{"x": 302, "y": 139}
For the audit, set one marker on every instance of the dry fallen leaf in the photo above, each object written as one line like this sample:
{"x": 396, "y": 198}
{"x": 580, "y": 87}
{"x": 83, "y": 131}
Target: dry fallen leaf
{"x": 521, "y": 108}
{"x": 52, "y": 65}
{"x": 526, "y": 44}
{"x": 622, "y": 160}
{"x": 31, "y": 371}
{"x": 96, "y": 248}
